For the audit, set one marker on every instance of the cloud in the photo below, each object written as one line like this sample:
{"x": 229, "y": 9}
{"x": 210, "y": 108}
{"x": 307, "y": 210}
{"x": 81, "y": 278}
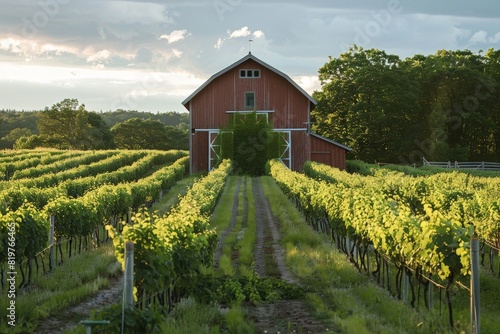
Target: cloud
{"x": 177, "y": 53}
{"x": 33, "y": 49}
{"x": 258, "y": 34}
{"x": 10, "y": 45}
{"x": 479, "y": 37}
{"x": 482, "y": 37}
{"x": 175, "y": 36}
{"x": 243, "y": 32}
{"x": 495, "y": 39}
{"x": 238, "y": 33}
{"x": 219, "y": 43}
{"x": 99, "y": 56}
{"x": 309, "y": 83}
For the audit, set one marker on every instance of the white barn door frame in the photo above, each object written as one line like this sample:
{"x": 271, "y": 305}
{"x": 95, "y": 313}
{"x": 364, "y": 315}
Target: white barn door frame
{"x": 285, "y": 152}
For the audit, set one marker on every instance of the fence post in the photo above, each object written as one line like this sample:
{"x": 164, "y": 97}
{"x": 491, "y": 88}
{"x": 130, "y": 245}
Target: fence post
{"x": 431, "y": 295}
{"x": 475, "y": 321}
{"x": 128, "y": 299}
{"x": 405, "y": 286}
{"x": 51, "y": 242}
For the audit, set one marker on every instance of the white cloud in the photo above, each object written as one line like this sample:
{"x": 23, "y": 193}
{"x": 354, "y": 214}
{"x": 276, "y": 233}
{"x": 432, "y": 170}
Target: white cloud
{"x": 99, "y": 56}
{"x": 495, "y": 39}
{"x": 11, "y": 45}
{"x": 309, "y": 83}
{"x": 482, "y": 37}
{"x": 177, "y": 53}
{"x": 258, "y": 34}
{"x": 175, "y": 36}
{"x": 219, "y": 43}
{"x": 243, "y": 32}
{"x": 479, "y": 37}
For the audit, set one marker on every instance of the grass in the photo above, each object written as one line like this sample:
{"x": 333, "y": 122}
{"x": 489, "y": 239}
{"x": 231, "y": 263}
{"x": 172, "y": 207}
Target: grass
{"x": 192, "y": 317}
{"x": 247, "y": 241}
{"x": 171, "y": 198}
{"x": 221, "y": 217}
{"x": 80, "y": 276}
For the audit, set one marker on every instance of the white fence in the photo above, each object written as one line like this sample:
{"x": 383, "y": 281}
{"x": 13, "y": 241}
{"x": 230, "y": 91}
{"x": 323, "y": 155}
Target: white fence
{"x": 492, "y": 166}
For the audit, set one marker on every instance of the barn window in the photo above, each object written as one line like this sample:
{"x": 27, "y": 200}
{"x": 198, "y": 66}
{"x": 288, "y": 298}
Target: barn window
{"x": 249, "y": 73}
{"x": 250, "y": 101}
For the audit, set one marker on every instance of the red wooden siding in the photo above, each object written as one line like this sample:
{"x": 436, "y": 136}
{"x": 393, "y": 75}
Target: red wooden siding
{"x": 199, "y": 152}
{"x": 227, "y": 92}
{"x": 300, "y": 149}
{"x": 327, "y": 153}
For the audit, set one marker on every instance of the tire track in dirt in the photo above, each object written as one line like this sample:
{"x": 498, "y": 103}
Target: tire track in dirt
{"x": 71, "y": 317}
{"x": 267, "y": 231}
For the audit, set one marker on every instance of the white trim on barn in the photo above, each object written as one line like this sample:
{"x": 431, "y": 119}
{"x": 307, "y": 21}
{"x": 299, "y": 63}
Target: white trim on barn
{"x": 286, "y": 154}
{"x": 248, "y": 111}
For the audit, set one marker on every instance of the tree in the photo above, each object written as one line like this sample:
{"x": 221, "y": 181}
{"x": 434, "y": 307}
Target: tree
{"x": 177, "y": 138}
{"x": 99, "y": 136}
{"x": 136, "y": 133}
{"x": 366, "y": 100}
{"x": 67, "y": 125}
{"x": 29, "y": 142}
{"x": 441, "y": 107}
{"x": 17, "y": 133}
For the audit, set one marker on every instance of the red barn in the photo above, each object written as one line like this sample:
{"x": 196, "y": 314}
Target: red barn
{"x": 251, "y": 85}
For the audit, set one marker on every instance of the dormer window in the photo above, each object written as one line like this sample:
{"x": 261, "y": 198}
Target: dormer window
{"x": 249, "y": 73}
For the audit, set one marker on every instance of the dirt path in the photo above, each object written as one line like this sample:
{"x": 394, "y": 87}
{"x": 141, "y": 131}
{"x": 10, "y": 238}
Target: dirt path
{"x": 70, "y": 318}
{"x": 284, "y": 316}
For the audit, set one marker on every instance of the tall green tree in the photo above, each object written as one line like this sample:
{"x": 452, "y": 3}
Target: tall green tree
{"x": 489, "y": 94}
{"x": 366, "y": 101}
{"x": 68, "y": 125}
{"x": 65, "y": 123}
{"x": 99, "y": 136}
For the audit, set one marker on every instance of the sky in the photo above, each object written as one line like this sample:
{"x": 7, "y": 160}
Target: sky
{"x": 151, "y": 55}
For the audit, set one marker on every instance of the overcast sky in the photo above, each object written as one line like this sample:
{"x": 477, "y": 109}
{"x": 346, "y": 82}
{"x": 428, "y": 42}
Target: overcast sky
{"x": 151, "y": 55}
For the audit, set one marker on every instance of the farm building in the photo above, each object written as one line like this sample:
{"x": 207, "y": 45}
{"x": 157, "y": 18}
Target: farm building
{"x": 251, "y": 85}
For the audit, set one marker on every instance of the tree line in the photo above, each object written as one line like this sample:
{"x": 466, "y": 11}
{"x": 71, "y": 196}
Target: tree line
{"x": 69, "y": 125}
{"x": 444, "y": 107}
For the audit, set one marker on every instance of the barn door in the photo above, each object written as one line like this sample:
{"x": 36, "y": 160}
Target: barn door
{"x": 215, "y": 153}
{"x": 286, "y": 148}
{"x": 213, "y": 149}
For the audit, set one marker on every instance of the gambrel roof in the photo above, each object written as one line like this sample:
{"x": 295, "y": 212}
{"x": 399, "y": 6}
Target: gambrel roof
{"x": 241, "y": 61}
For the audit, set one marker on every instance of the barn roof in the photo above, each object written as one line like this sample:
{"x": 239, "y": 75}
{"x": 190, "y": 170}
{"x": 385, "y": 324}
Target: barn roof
{"x": 330, "y": 141}
{"x": 241, "y": 61}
